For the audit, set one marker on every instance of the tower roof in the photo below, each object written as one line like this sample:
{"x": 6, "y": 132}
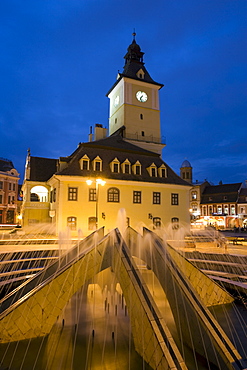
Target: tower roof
{"x": 133, "y": 64}
{"x": 185, "y": 164}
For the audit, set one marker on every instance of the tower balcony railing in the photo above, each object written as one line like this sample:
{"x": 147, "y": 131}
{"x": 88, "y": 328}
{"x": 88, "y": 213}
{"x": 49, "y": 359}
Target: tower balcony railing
{"x": 147, "y": 139}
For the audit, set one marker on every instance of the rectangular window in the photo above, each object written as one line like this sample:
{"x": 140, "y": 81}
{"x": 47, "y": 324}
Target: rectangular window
{"x": 13, "y": 187}
{"x": 127, "y": 168}
{"x": 72, "y": 194}
{"x": 1, "y": 199}
{"x": 137, "y": 196}
{"x": 54, "y": 194}
{"x": 9, "y": 199}
{"x": 115, "y": 167}
{"x": 97, "y": 166}
{"x": 1, "y": 184}
{"x": 10, "y": 186}
{"x": 156, "y": 197}
{"x": 153, "y": 172}
{"x": 85, "y": 165}
{"x": 13, "y": 199}
{"x": 174, "y": 199}
{"x": 92, "y": 195}
{"x": 138, "y": 170}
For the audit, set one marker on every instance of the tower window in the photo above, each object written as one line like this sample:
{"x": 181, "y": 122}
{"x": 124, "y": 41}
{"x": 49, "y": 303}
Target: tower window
{"x": 115, "y": 120}
{"x": 141, "y": 117}
{"x": 143, "y": 133}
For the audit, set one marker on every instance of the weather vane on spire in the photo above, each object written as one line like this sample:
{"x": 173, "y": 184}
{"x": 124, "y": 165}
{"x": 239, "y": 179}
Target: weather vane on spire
{"x": 134, "y": 35}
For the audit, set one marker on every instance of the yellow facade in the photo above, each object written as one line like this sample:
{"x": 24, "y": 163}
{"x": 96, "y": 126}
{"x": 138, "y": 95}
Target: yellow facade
{"x": 138, "y": 214}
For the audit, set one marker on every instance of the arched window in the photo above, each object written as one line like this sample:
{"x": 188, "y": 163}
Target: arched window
{"x": 39, "y": 194}
{"x": 157, "y": 221}
{"x": 113, "y": 195}
{"x": 91, "y": 223}
{"x": 71, "y": 222}
{"x": 175, "y": 222}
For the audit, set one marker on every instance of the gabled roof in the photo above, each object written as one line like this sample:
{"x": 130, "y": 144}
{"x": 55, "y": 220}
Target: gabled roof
{"x": 41, "y": 169}
{"x": 224, "y": 193}
{"x": 243, "y": 196}
{"x": 116, "y": 147}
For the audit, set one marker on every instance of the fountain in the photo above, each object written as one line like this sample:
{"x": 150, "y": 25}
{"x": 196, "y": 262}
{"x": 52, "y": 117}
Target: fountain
{"x": 97, "y": 327}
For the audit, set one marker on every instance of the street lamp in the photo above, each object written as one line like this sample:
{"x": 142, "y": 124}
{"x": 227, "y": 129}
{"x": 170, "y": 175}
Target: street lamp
{"x": 97, "y": 183}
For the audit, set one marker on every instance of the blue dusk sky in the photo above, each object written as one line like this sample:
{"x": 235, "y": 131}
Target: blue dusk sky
{"x": 60, "y": 57}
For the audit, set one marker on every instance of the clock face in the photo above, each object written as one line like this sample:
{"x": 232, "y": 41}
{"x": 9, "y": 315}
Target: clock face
{"x": 141, "y": 96}
{"x": 116, "y": 101}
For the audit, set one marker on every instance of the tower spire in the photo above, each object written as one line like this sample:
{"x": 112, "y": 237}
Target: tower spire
{"x": 134, "y": 35}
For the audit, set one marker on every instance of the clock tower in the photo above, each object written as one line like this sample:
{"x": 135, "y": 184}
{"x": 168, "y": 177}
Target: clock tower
{"x": 134, "y": 103}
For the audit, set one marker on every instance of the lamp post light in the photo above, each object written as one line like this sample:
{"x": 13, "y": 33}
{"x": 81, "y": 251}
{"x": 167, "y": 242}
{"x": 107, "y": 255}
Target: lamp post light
{"x": 97, "y": 183}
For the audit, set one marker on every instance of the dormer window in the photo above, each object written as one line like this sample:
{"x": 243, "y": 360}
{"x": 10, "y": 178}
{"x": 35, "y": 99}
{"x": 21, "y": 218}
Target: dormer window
{"x": 97, "y": 164}
{"x": 84, "y": 162}
{"x": 126, "y": 166}
{"x": 115, "y": 166}
{"x": 140, "y": 74}
{"x": 152, "y": 170}
{"x": 162, "y": 170}
{"x": 137, "y": 168}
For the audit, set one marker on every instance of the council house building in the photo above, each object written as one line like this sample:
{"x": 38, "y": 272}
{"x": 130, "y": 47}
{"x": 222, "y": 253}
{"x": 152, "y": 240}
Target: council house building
{"x": 122, "y": 170}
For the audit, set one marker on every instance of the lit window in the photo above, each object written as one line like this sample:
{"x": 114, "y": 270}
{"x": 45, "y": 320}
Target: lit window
{"x": 92, "y": 195}
{"x": 194, "y": 195}
{"x": 91, "y": 223}
{"x": 219, "y": 209}
{"x": 113, "y": 195}
{"x": 157, "y": 222}
{"x": 72, "y": 194}
{"x": 233, "y": 212}
{"x": 156, "y": 197}
{"x": 137, "y": 196}
{"x": 174, "y": 199}
{"x": 71, "y": 223}
{"x": 175, "y": 222}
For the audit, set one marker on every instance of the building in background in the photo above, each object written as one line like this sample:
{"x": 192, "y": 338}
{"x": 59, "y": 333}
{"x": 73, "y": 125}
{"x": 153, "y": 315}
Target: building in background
{"x": 9, "y": 178}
